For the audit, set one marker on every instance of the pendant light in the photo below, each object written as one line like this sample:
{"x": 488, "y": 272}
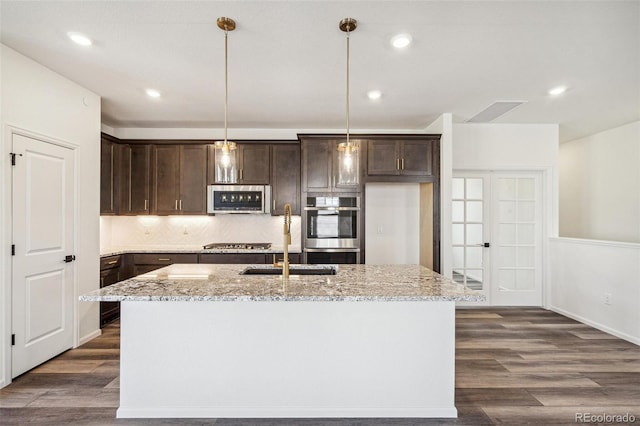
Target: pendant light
{"x": 348, "y": 151}
{"x": 225, "y": 151}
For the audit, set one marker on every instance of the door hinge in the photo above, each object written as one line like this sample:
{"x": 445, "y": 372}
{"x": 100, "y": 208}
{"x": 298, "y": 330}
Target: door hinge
{"x": 13, "y": 158}
{"x": 13, "y": 249}
{"x": 13, "y": 340}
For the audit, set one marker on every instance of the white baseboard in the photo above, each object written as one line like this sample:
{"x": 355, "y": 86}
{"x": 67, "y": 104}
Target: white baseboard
{"x": 625, "y": 336}
{"x": 285, "y": 412}
{"x": 84, "y": 339}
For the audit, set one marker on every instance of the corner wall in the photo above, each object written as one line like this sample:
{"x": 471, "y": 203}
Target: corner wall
{"x": 600, "y": 186}
{"x": 40, "y": 101}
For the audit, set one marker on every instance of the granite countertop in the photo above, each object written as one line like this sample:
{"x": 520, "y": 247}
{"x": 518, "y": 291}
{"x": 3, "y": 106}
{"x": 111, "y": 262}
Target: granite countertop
{"x": 112, "y": 251}
{"x": 210, "y": 282}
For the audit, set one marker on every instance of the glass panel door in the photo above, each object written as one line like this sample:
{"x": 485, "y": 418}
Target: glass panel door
{"x": 470, "y": 256}
{"x": 517, "y": 240}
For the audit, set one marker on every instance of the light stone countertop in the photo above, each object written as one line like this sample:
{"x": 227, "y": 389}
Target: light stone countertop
{"x": 211, "y": 282}
{"x": 112, "y": 251}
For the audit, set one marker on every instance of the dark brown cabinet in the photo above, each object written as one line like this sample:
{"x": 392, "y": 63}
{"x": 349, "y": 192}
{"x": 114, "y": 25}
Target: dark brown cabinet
{"x": 135, "y": 179}
{"x": 108, "y": 175}
{"x": 285, "y": 178}
{"x": 147, "y": 262}
{"x": 110, "y": 273}
{"x": 252, "y": 163}
{"x": 236, "y": 258}
{"x": 179, "y": 179}
{"x": 320, "y": 165}
{"x": 407, "y": 159}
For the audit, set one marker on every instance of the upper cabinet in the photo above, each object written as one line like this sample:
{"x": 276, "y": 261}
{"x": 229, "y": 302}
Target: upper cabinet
{"x": 320, "y": 165}
{"x": 135, "y": 179}
{"x": 402, "y": 158}
{"x": 108, "y": 175}
{"x": 179, "y": 179}
{"x": 252, "y": 161}
{"x": 285, "y": 178}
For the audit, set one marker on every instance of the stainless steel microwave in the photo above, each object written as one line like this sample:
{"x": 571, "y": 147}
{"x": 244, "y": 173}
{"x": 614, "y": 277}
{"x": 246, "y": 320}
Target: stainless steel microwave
{"x": 239, "y": 199}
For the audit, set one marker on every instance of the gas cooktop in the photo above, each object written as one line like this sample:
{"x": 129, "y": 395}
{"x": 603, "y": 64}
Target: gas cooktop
{"x": 238, "y": 246}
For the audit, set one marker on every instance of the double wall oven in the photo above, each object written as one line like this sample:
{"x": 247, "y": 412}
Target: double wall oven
{"x": 332, "y": 229}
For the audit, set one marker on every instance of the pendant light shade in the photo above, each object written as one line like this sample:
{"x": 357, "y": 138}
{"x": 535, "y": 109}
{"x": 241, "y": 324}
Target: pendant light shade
{"x": 225, "y": 151}
{"x": 348, "y": 151}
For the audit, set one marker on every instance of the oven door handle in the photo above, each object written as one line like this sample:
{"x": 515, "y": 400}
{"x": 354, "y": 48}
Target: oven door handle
{"x": 332, "y": 250}
{"x": 341, "y": 209}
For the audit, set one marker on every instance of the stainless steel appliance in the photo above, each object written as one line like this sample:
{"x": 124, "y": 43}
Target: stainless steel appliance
{"x": 332, "y": 229}
{"x": 239, "y": 199}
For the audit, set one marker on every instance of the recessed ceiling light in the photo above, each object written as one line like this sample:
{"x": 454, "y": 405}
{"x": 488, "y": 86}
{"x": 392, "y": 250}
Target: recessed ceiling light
{"x": 556, "y": 91}
{"x": 401, "y": 41}
{"x": 80, "y": 39}
{"x": 374, "y": 94}
{"x": 153, "y": 93}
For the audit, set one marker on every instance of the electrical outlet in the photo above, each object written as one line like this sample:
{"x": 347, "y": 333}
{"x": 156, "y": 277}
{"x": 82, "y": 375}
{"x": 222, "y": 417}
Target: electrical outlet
{"x": 185, "y": 231}
{"x": 380, "y": 230}
{"x": 607, "y": 298}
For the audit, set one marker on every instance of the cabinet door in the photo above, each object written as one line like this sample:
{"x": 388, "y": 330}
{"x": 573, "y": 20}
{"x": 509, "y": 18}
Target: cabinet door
{"x": 193, "y": 179}
{"x": 166, "y": 179}
{"x": 416, "y": 158}
{"x": 383, "y": 157}
{"x": 107, "y": 176}
{"x": 109, "y": 311}
{"x": 236, "y": 258}
{"x": 135, "y": 179}
{"x": 253, "y": 164}
{"x": 316, "y": 165}
{"x": 285, "y": 178}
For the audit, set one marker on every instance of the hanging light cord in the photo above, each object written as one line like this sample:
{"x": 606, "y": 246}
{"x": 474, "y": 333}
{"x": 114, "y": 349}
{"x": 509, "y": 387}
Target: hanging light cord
{"x": 348, "y": 144}
{"x": 226, "y": 84}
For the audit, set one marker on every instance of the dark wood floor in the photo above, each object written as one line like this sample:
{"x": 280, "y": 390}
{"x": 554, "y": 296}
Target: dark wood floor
{"x": 513, "y": 366}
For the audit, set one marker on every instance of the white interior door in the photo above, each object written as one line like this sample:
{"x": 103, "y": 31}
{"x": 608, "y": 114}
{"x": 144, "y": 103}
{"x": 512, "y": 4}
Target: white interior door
{"x": 497, "y": 235}
{"x": 42, "y": 281}
{"x": 517, "y": 239}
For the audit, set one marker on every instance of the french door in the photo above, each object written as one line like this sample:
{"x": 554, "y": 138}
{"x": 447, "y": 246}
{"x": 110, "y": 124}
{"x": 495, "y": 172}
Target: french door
{"x": 497, "y": 235}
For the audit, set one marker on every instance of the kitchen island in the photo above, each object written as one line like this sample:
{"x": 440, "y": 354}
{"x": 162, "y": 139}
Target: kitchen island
{"x": 202, "y": 340}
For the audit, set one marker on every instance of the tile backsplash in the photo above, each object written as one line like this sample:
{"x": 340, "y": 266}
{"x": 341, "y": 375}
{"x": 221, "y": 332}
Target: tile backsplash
{"x": 116, "y": 231}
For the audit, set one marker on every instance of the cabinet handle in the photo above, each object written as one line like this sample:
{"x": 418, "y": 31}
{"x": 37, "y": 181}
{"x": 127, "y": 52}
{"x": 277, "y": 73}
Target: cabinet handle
{"x": 274, "y": 206}
{"x": 241, "y": 174}
{"x": 402, "y": 164}
{"x": 113, "y": 262}
{"x": 168, "y": 259}
{"x": 176, "y": 205}
{"x": 397, "y": 164}
{"x": 180, "y": 205}
{"x": 146, "y": 205}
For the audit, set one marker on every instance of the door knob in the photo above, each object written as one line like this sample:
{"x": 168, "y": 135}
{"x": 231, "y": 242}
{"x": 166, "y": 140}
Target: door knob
{"x": 69, "y": 258}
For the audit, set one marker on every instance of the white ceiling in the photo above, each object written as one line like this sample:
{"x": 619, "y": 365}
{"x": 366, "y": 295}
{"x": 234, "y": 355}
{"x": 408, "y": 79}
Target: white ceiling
{"x": 287, "y": 60}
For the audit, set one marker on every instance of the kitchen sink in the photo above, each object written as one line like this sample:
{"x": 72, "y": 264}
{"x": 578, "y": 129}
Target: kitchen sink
{"x": 293, "y": 270}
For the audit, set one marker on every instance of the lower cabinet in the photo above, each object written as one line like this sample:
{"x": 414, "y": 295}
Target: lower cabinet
{"x": 147, "y": 262}
{"x": 110, "y": 273}
{"x": 232, "y": 258}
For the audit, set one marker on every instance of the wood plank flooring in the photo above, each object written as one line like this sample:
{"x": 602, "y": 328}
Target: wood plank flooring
{"x": 513, "y": 366}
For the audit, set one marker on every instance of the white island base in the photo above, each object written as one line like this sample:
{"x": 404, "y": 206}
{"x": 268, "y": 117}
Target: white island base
{"x": 287, "y": 359}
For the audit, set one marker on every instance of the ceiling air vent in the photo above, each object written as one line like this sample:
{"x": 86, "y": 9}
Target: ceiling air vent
{"x": 494, "y": 111}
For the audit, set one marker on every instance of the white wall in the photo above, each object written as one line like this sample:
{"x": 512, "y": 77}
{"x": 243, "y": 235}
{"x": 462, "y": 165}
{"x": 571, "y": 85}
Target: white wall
{"x": 583, "y": 271}
{"x": 40, "y": 101}
{"x": 392, "y": 228}
{"x": 600, "y": 185}
{"x": 193, "y": 231}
